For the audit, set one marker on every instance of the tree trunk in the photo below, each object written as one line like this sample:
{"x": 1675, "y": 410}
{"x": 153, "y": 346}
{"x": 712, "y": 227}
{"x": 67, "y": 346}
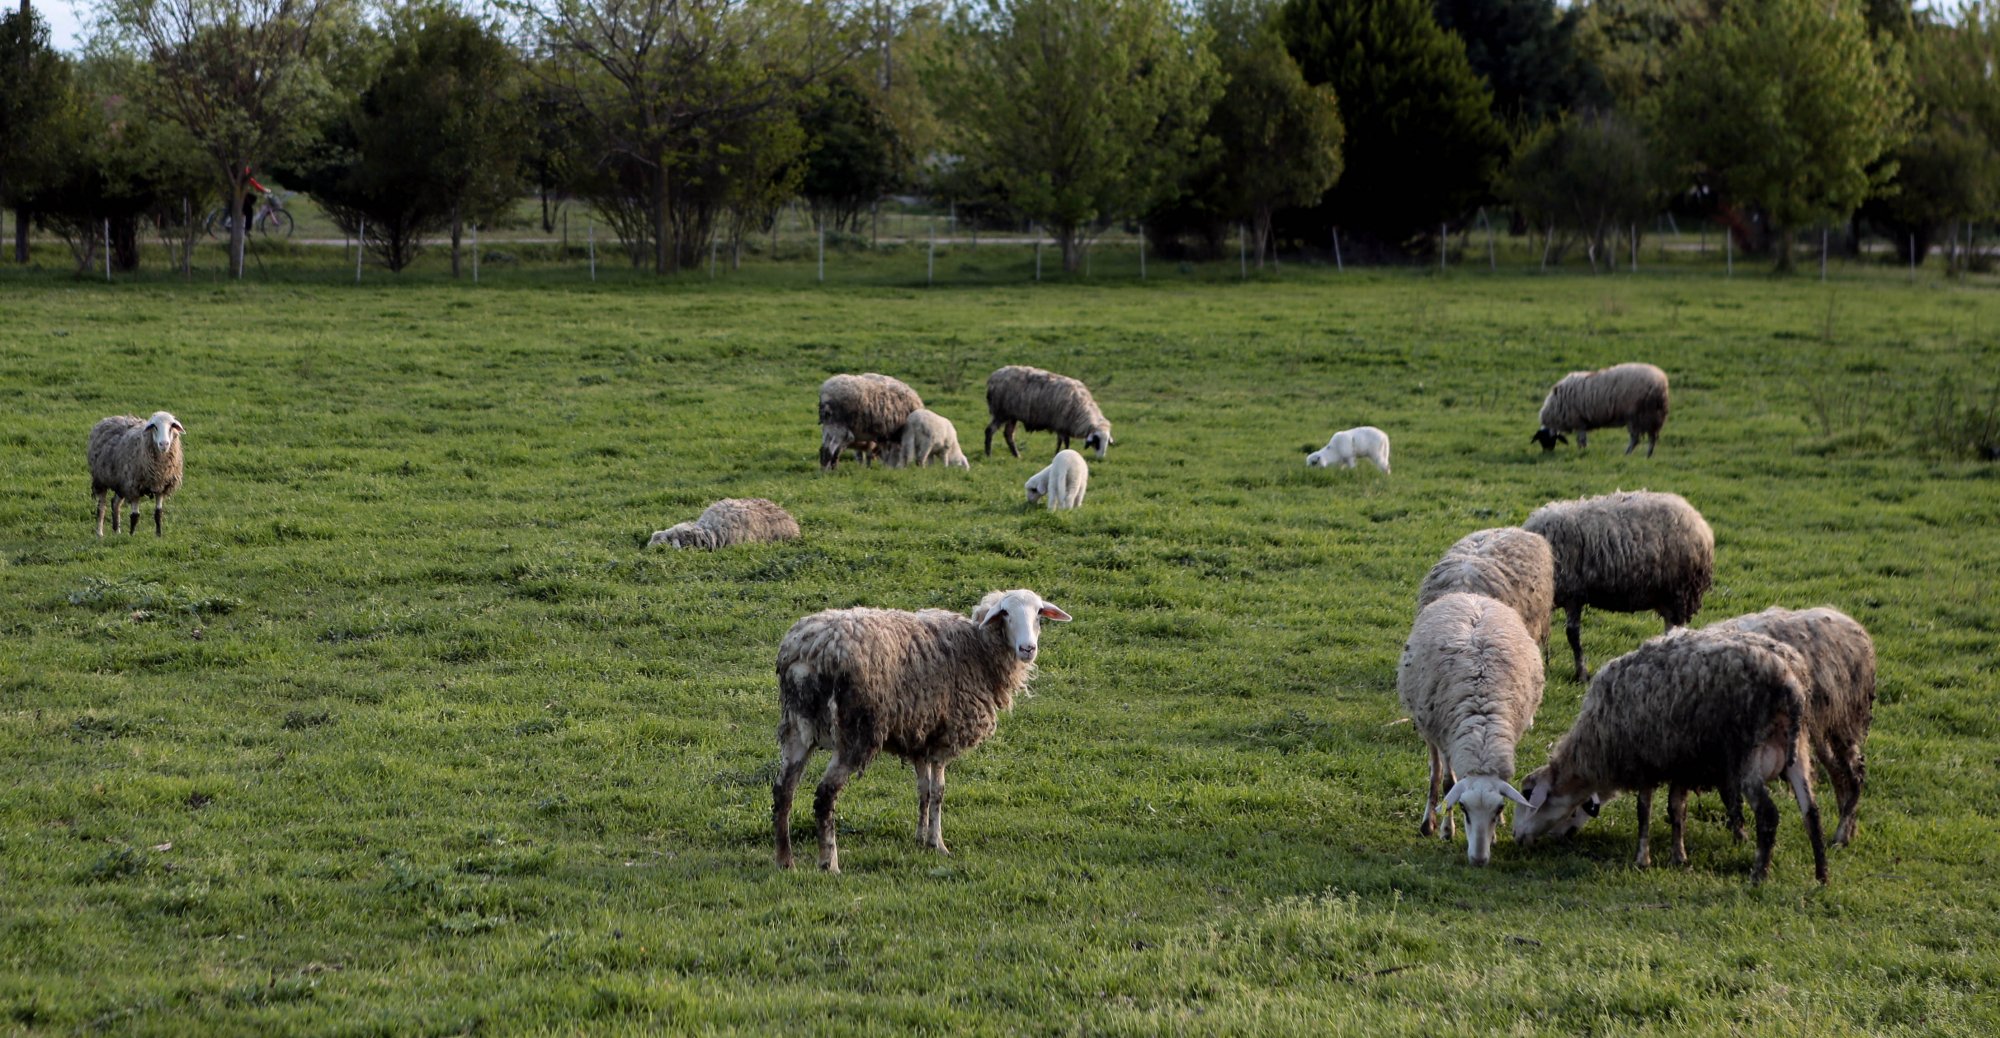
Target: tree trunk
{"x": 238, "y": 227}
{"x": 124, "y": 244}
{"x": 21, "y": 220}
{"x": 1786, "y": 238}
{"x": 1261, "y": 228}
{"x": 663, "y": 253}
{"x": 457, "y": 234}
{"x": 1071, "y": 243}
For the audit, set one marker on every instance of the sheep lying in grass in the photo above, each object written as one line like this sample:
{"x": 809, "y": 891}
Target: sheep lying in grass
{"x": 1841, "y": 698}
{"x": 1507, "y": 563}
{"x": 928, "y": 435}
{"x": 1062, "y": 482}
{"x": 866, "y": 412}
{"x": 1707, "y": 709}
{"x": 1351, "y": 445}
{"x": 1038, "y": 400}
{"x": 131, "y": 459}
{"x": 731, "y": 521}
{"x": 1631, "y": 395}
{"x": 926, "y": 686}
{"x": 1627, "y": 552}
{"x": 1471, "y": 678}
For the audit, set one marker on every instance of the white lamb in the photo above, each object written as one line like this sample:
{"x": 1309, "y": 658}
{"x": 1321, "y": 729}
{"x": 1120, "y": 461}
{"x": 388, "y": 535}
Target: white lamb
{"x": 1351, "y": 445}
{"x": 1062, "y": 483}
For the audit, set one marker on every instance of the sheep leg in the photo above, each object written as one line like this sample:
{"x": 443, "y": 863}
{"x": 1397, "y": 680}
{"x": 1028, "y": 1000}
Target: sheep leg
{"x": 1799, "y": 774}
{"x": 1652, "y": 441}
{"x": 1635, "y": 443}
{"x": 923, "y": 770}
{"x": 133, "y": 526}
{"x": 1644, "y": 859}
{"x": 100, "y": 513}
{"x": 1732, "y": 809}
{"x": 1767, "y": 829}
{"x": 1845, "y": 768}
{"x": 1582, "y": 440}
{"x": 1575, "y": 631}
{"x": 1677, "y": 814}
{"x": 990, "y": 426}
{"x": 1429, "y": 824}
{"x": 1062, "y": 441}
{"x": 937, "y": 808}
{"x": 1008, "y": 433}
{"x": 794, "y": 749}
{"x": 159, "y": 507}
{"x": 1445, "y": 817}
{"x": 843, "y": 768}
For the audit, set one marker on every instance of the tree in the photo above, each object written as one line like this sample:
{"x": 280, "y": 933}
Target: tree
{"x": 33, "y": 84}
{"x": 1788, "y": 106}
{"x": 1949, "y": 169}
{"x": 1629, "y": 42}
{"x": 655, "y": 78}
{"x": 1080, "y": 110}
{"x": 244, "y": 77}
{"x": 1590, "y": 175}
{"x": 1422, "y": 144}
{"x": 851, "y": 154}
{"x": 1280, "y": 137}
{"x": 433, "y": 141}
{"x": 1526, "y": 50}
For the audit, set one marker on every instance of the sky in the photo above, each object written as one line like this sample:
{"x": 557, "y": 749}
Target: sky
{"x": 65, "y": 22}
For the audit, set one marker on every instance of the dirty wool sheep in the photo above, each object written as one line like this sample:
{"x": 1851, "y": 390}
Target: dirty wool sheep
{"x": 1351, "y": 445}
{"x": 1062, "y": 483}
{"x": 731, "y": 521}
{"x": 926, "y": 686}
{"x": 928, "y": 435}
{"x": 1707, "y": 709}
{"x": 865, "y": 411}
{"x": 131, "y": 459}
{"x": 1037, "y": 400}
{"x": 1631, "y": 395}
{"x": 1507, "y": 563}
{"x": 1840, "y": 701}
{"x": 1471, "y": 678}
{"x": 1628, "y": 552}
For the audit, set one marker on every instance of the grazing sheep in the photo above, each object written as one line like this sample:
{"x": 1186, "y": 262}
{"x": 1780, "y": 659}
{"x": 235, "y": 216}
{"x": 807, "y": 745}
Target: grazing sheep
{"x": 928, "y": 435}
{"x": 1471, "y": 678}
{"x": 1707, "y": 709}
{"x": 1039, "y": 400}
{"x": 1631, "y": 395}
{"x": 731, "y": 521}
{"x": 1628, "y": 552}
{"x": 133, "y": 459}
{"x": 1062, "y": 482}
{"x": 1351, "y": 445}
{"x": 864, "y": 412}
{"x": 926, "y": 686}
{"x": 1507, "y": 563}
{"x": 1841, "y": 698}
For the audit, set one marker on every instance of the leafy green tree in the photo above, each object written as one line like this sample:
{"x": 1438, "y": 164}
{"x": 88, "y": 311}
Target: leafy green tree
{"x": 652, "y": 81}
{"x": 1787, "y": 105}
{"x": 851, "y": 154}
{"x": 433, "y": 141}
{"x": 1279, "y": 136}
{"x": 1590, "y": 175}
{"x": 1949, "y": 169}
{"x": 1082, "y": 111}
{"x": 1527, "y": 52}
{"x": 245, "y": 78}
{"x": 1628, "y": 43}
{"x": 33, "y": 86}
{"x": 1422, "y": 144}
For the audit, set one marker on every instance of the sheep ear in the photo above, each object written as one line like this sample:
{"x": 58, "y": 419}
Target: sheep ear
{"x": 1592, "y": 806}
{"x": 1054, "y": 612}
{"x": 993, "y": 617}
{"x": 177, "y": 427}
{"x": 1451, "y": 798}
{"x": 1539, "y": 797}
{"x": 1514, "y": 794}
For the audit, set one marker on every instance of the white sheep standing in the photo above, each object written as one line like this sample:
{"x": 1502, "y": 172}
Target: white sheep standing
{"x": 1350, "y": 445}
{"x": 928, "y": 435}
{"x": 1507, "y": 563}
{"x": 926, "y": 686}
{"x": 132, "y": 459}
{"x": 1062, "y": 482}
{"x": 1471, "y": 678}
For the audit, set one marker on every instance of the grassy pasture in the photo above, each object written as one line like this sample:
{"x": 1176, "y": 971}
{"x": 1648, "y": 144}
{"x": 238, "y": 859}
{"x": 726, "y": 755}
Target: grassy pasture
{"x": 401, "y": 730}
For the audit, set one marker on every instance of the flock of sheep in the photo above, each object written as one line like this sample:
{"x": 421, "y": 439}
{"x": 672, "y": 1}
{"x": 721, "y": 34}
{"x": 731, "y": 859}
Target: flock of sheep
{"x": 1729, "y": 707}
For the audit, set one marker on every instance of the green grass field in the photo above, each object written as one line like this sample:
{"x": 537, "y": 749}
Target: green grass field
{"x": 401, "y": 729}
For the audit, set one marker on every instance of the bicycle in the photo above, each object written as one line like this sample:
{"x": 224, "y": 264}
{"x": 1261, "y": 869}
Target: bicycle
{"x": 269, "y": 218}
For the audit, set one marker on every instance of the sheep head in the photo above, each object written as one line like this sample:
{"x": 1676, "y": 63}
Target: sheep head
{"x": 1019, "y": 615}
{"x": 1547, "y": 438}
{"x": 1483, "y": 797}
{"x": 1100, "y": 440}
{"x": 1557, "y": 805}
{"x": 163, "y": 428}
